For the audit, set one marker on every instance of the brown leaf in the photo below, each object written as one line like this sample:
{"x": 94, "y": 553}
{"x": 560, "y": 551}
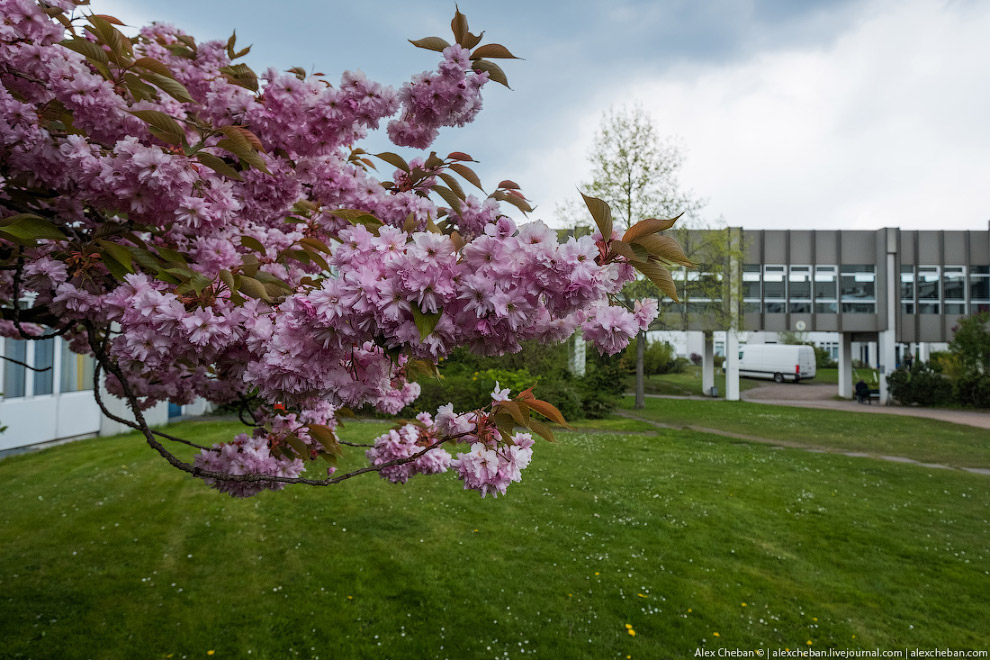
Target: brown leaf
{"x": 467, "y": 174}
{"x": 496, "y": 51}
{"x": 430, "y": 43}
{"x": 659, "y": 276}
{"x": 601, "y": 213}
{"x": 549, "y": 411}
{"x": 648, "y": 226}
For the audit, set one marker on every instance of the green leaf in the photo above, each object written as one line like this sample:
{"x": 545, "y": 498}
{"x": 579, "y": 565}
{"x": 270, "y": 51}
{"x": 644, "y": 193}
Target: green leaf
{"x": 467, "y": 174}
{"x": 243, "y": 75}
{"x": 171, "y": 256}
{"x": 89, "y": 49}
{"x": 117, "y": 269}
{"x": 449, "y": 197}
{"x": 602, "y": 215}
{"x": 495, "y": 73}
{"x": 326, "y": 437}
{"x": 29, "y": 227}
{"x": 118, "y": 252}
{"x": 425, "y": 323}
{"x": 659, "y": 276}
{"x": 299, "y": 446}
{"x": 395, "y": 160}
{"x": 541, "y": 429}
{"x": 496, "y": 51}
{"x": 173, "y": 88}
{"x": 154, "y": 66}
{"x": 252, "y": 287}
{"x": 242, "y": 149}
{"x": 218, "y": 165}
{"x": 357, "y": 217}
{"x": 453, "y": 184}
{"x": 253, "y": 244}
{"x": 430, "y": 43}
{"x": 161, "y": 125}
{"x": 241, "y": 134}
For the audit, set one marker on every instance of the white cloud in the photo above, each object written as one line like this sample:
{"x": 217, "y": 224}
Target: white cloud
{"x": 885, "y": 126}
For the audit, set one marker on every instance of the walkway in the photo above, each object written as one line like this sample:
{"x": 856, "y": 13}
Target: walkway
{"x": 806, "y": 395}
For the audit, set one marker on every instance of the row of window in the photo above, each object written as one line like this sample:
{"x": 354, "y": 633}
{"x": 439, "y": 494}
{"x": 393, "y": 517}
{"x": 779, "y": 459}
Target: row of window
{"x": 75, "y": 372}
{"x": 932, "y": 289}
{"x": 776, "y": 289}
{"x": 851, "y": 289}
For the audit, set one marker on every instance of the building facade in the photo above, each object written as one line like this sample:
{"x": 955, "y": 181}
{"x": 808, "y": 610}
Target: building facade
{"x": 889, "y": 288}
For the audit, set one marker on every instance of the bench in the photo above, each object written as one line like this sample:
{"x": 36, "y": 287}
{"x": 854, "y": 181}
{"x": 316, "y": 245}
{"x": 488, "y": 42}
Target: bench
{"x": 874, "y": 395}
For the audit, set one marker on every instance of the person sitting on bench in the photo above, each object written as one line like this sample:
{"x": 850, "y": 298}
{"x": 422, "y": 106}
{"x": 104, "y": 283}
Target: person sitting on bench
{"x": 862, "y": 392}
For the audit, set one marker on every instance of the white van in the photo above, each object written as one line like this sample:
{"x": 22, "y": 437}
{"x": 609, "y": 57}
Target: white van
{"x": 777, "y": 361}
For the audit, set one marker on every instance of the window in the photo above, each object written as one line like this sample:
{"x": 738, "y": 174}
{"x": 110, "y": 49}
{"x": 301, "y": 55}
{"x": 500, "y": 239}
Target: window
{"x": 979, "y": 288}
{"x": 929, "y": 289}
{"x": 44, "y": 358}
{"x": 800, "y": 282}
{"x": 907, "y": 289}
{"x": 13, "y": 374}
{"x": 826, "y": 290}
{"x": 775, "y": 289}
{"x": 954, "y": 289}
{"x": 77, "y": 371}
{"x": 751, "y": 283}
{"x": 858, "y": 287}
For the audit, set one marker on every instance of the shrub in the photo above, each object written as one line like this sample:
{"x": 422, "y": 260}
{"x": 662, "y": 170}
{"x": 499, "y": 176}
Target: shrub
{"x": 921, "y": 385}
{"x": 973, "y": 389}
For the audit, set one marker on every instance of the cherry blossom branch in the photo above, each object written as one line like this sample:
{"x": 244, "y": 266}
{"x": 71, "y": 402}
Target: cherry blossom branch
{"x": 141, "y": 425}
{"x": 25, "y": 364}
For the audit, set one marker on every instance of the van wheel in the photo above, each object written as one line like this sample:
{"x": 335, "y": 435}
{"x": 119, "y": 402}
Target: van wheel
{"x": 778, "y": 378}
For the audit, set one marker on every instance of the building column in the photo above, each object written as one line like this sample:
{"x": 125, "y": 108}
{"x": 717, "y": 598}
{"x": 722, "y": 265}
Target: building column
{"x": 708, "y": 365}
{"x": 731, "y": 365}
{"x": 885, "y": 362}
{"x": 845, "y": 365}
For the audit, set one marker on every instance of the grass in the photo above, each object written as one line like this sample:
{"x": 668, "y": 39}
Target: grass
{"x": 687, "y": 383}
{"x": 107, "y": 552}
{"x": 925, "y": 440}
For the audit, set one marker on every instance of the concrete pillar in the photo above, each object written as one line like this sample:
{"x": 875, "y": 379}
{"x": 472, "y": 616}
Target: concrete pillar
{"x": 708, "y": 365}
{"x": 731, "y": 366}
{"x": 845, "y": 365}
{"x": 886, "y": 358}
{"x": 576, "y": 356}
{"x": 887, "y": 341}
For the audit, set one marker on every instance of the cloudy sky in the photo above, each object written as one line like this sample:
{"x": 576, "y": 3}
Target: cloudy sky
{"x": 791, "y": 113}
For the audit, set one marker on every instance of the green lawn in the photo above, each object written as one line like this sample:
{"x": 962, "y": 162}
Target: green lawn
{"x": 106, "y": 552}
{"x": 926, "y": 440}
{"x": 687, "y": 383}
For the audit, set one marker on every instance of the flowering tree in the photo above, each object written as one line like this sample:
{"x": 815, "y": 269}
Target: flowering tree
{"x": 206, "y": 232}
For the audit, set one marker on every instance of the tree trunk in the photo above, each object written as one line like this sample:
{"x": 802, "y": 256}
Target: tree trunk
{"x": 640, "y": 360}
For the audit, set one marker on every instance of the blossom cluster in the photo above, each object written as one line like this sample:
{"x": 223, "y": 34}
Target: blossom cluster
{"x": 210, "y": 233}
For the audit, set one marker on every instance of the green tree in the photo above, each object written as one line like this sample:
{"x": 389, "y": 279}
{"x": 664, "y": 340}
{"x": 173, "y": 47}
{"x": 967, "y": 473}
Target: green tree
{"x": 971, "y": 342}
{"x": 635, "y": 172}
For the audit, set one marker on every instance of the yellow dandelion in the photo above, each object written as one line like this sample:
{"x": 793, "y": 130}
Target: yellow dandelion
{"x": 210, "y": 652}
{"x": 690, "y": 610}
{"x": 596, "y": 573}
{"x": 475, "y": 531}
{"x": 808, "y": 642}
{"x": 350, "y": 598}
{"x": 632, "y": 633}
{"x": 814, "y": 618}
{"x": 570, "y": 595}
{"x": 642, "y": 595}
{"x": 628, "y": 626}
{"x": 716, "y": 634}
{"x": 854, "y": 636}
{"x": 744, "y": 604}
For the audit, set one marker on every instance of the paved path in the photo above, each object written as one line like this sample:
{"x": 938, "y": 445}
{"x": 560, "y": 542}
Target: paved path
{"x": 807, "y": 395}
{"x": 821, "y": 396}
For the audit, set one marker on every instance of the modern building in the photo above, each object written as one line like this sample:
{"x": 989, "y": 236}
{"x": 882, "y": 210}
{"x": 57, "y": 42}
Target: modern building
{"x": 57, "y": 403}
{"x": 896, "y": 290}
